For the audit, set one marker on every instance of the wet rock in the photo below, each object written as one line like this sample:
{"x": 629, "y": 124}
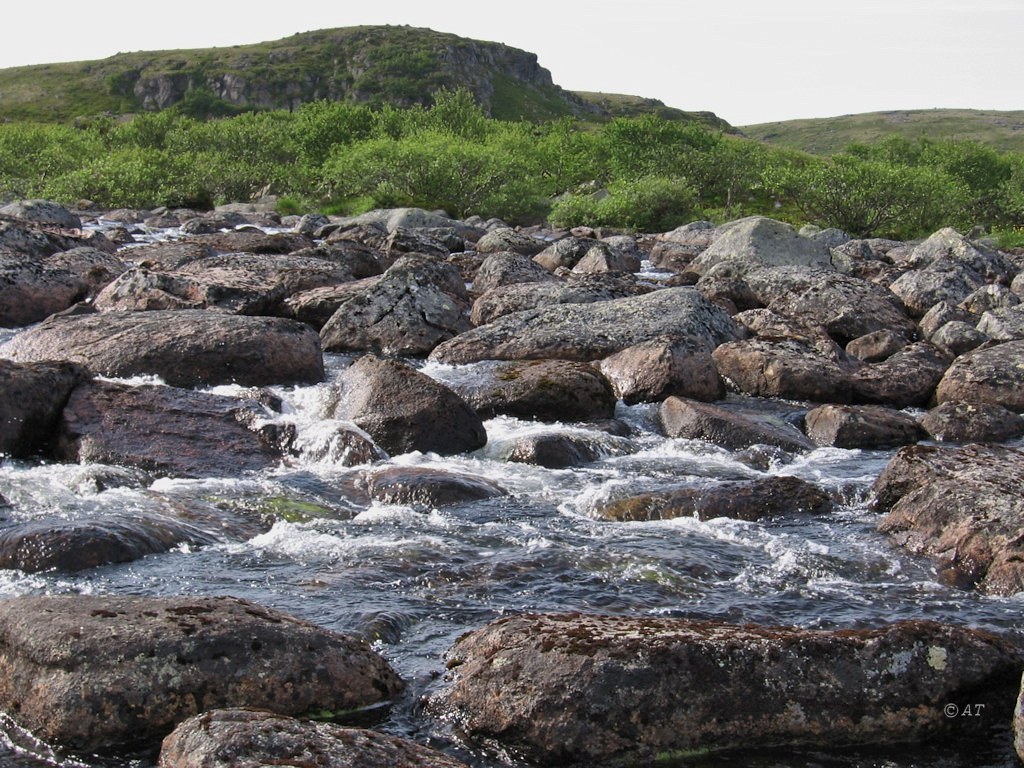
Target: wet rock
{"x": 740, "y": 500}
{"x": 554, "y": 450}
{"x": 254, "y": 242}
{"x": 546, "y": 390}
{"x": 963, "y": 506}
{"x": 692, "y": 420}
{"x": 1005, "y": 324}
{"x": 507, "y": 239}
{"x": 414, "y": 306}
{"x": 787, "y": 369}
{"x": 163, "y": 430}
{"x": 907, "y": 378}
{"x": 573, "y": 689}
{"x": 137, "y": 666}
{"x": 957, "y": 338}
{"x": 759, "y": 241}
{"x": 993, "y": 375}
{"x": 337, "y": 444}
{"x": 1018, "y": 723}
{"x": 592, "y": 331}
{"x": 240, "y": 738}
{"x": 867, "y": 427}
{"x": 577, "y": 289}
{"x": 509, "y": 268}
{"x": 44, "y": 212}
{"x": 962, "y": 422}
{"x": 96, "y": 268}
{"x": 213, "y": 222}
{"x": 96, "y": 478}
{"x": 32, "y": 397}
{"x": 659, "y": 368}
{"x": 405, "y": 410}
{"x": 31, "y": 291}
{"x": 421, "y": 486}
{"x": 186, "y": 348}
{"x": 876, "y": 347}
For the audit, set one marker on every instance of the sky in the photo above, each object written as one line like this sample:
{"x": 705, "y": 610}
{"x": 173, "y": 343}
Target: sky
{"x": 748, "y": 61}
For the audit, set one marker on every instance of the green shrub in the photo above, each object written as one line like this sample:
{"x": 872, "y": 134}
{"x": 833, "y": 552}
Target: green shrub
{"x": 648, "y": 204}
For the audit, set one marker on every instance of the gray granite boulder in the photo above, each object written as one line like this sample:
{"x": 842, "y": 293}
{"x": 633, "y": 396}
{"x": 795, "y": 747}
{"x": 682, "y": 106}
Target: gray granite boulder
{"x": 576, "y": 289}
{"x": 761, "y": 242}
{"x": 867, "y": 427}
{"x": 993, "y": 375}
{"x": 728, "y": 428}
{"x": 659, "y": 368}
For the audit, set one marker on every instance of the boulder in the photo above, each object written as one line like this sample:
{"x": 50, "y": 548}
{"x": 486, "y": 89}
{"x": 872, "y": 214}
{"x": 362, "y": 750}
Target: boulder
{"x": 957, "y": 338}
{"x": 43, "y": 212}
{"x": 96, "y": 268}
{"x": 317, "y": 305}
{"x": 414, "y": 306}
{"x": 727, "y": 428}
{"x": 659, "y": 368}
{"x": 94, "y": 673}
{"x": 254, "y": 241}
{"x": 186, "y": 348}
{"x": 569, "y": 251}
{"x": 922, "y": 289}
{"x": 789, "y": 369}
{"x": 741, "y": 500}
{"x": 577, "y": 289}
{"x": 164, "y": 430}
{"x": 545, "y": 390}
{"x": 964, "y": 422}
{"x": 963, "y": 506}
{"x": 554, "y": 450}
{"x": 402, "y": 241}
{"x": 675, "y": 250}
{"x": 509, "y": 268}
{"x": 604, "y": 258}
{"x": 907, "y": 378}
{"x": 32, "y": 396}
{"x": 993, "y": 375}
{"x": 31, "y": 291}
{"x": 508, "y": 239}
{"x": 947, "y": 246}
{"x": 245, "y": 738}
{"x": 1005, "y": 324}
{"x": 940, "y": 314}
{"x": 876, "y": 347}
{"x": 761, "y": 242}
{"x": 592, "y": 331}
{"x": 422, "y": 486}
{"x": 993, "y": 296}
{"x": 1018, "y": 723}
{"x": 868, "y": 427}
{"x": 596, "y": 690}
{"x": 405, "y": 410}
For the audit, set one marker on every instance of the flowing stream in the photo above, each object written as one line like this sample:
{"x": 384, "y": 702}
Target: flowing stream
{"x": 413, "y": 580}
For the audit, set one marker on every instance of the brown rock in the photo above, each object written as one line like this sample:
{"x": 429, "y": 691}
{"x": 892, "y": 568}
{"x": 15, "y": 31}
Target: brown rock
{"x": 960, "y": 422}
{"x": 728, "y": 428}
{"x": 876, "y": 346}
{"x": 656, "y": 369}
{"x": 861, "y": 426}
{"x": 421, "y": 486}
{"x": 993, "y": 375}
{"x": 907, "y": 378}
{"x": 787, "y": 369}
{"x": 32, "y": 397}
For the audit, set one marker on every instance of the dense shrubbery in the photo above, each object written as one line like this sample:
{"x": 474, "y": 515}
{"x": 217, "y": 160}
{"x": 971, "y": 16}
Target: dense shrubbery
{"x": 640, "y": 173}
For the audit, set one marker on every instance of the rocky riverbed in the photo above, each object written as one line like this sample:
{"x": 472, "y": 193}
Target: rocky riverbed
{"x": 408, "y": 490}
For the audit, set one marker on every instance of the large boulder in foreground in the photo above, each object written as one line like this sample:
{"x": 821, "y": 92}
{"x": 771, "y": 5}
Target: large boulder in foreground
{"x": 165, "y": 430}
{"x": 32, "y": 397}
{"x": 963, "y": 506}
{"x": 92, "y": 673}
{"x": 573, "y": 689}
{"x": 245, "y": 738}
{"x": 593, "y": 331}
{"x": 994, "y": 375}
{"x": 405, "y": 410}
{"x": 186, "y": 348}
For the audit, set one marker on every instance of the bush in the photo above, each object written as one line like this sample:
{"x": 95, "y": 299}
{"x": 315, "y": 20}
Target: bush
{"x": 649, "y": 204}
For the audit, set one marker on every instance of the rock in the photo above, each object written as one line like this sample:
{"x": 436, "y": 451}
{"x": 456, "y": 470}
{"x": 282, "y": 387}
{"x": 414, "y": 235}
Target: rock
{"x": 964, "y": 422}
{"x": 577, "y": 289}
{"x": 92, "y": 673}
{"x": 675, "y": 250}
{"x": 592, "y": 331}
{"x": 44, "y": 212}
{"x": 740, "y": 500}
{"x": 421, "y": 486}
{"x": 509, "y": 268}
{"x": 337, "y": 444}
{"x": 993, "y": 375}
{"x": 96, "y": 268}
{"x": 940, "y": 314}
{"x": 415, "y": 305}
{"x": 907, "y": 378}
{"x": 545, "y": 390}
{"x": 876, "y": 347}
{"x": 403, "y": 241}
{"x": 554, "y": 450}
{"x": 957, "y": 337}
{"x": 241, "y": 738}
{"x": 1005, "y": 324}
{"x": 949, "y": 247}
{"x": 164, "y": 430}
{"x": 692, "y": 420}
{"x": 311, "y": 223}
{"x": 596, "y": 690}
{"x": 254, "y": 241}
{"x": 762, "y": 242}
{"x": 867, "y": 427}
{"x": 1018, "y": 724}
{"x": 963, "y": 506}
{"x": 32, "y": 397}
{"x": 213, "y": 222}
{"x": 603, "y": 258}
{"x": 569, "y": 251}
{"x": 391, "y": 219}
{"x": 405, "y": 410}
{"x": 659, "y": 368}
{"x": 786, "y": 369}
{"x": 994, "y": 296}
{"x": 507, "y": 239}
{"x": 31, "y": 291}
{"x": 186, "y": 348}
{"x": 943, "y": 281}
{"x": 317, "y": 305}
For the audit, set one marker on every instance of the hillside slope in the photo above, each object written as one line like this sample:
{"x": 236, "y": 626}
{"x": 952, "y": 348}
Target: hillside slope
{"x": 386, "y": 64}
{"x": 1002, "y": 130}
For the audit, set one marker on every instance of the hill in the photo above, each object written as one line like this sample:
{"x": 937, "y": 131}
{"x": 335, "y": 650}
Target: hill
{"x": 824, "y": 136}
{"x": 623, "y": 105}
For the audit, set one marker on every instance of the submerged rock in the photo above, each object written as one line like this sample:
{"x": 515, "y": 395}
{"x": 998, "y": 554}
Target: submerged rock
{"x": 94, "y": 673}
{"x": 185, "y": 348}
{"x": 576, "y": 689}
{"x": 963, "y": 506}
{"x": 245, "y": 738}
{"x": 421, "y": 486}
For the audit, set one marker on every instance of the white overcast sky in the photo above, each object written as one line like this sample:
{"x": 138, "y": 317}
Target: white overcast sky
{"x": 749, "y": 61}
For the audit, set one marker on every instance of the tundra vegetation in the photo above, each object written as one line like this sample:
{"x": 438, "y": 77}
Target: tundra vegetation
{"x": 643, "y": 173}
